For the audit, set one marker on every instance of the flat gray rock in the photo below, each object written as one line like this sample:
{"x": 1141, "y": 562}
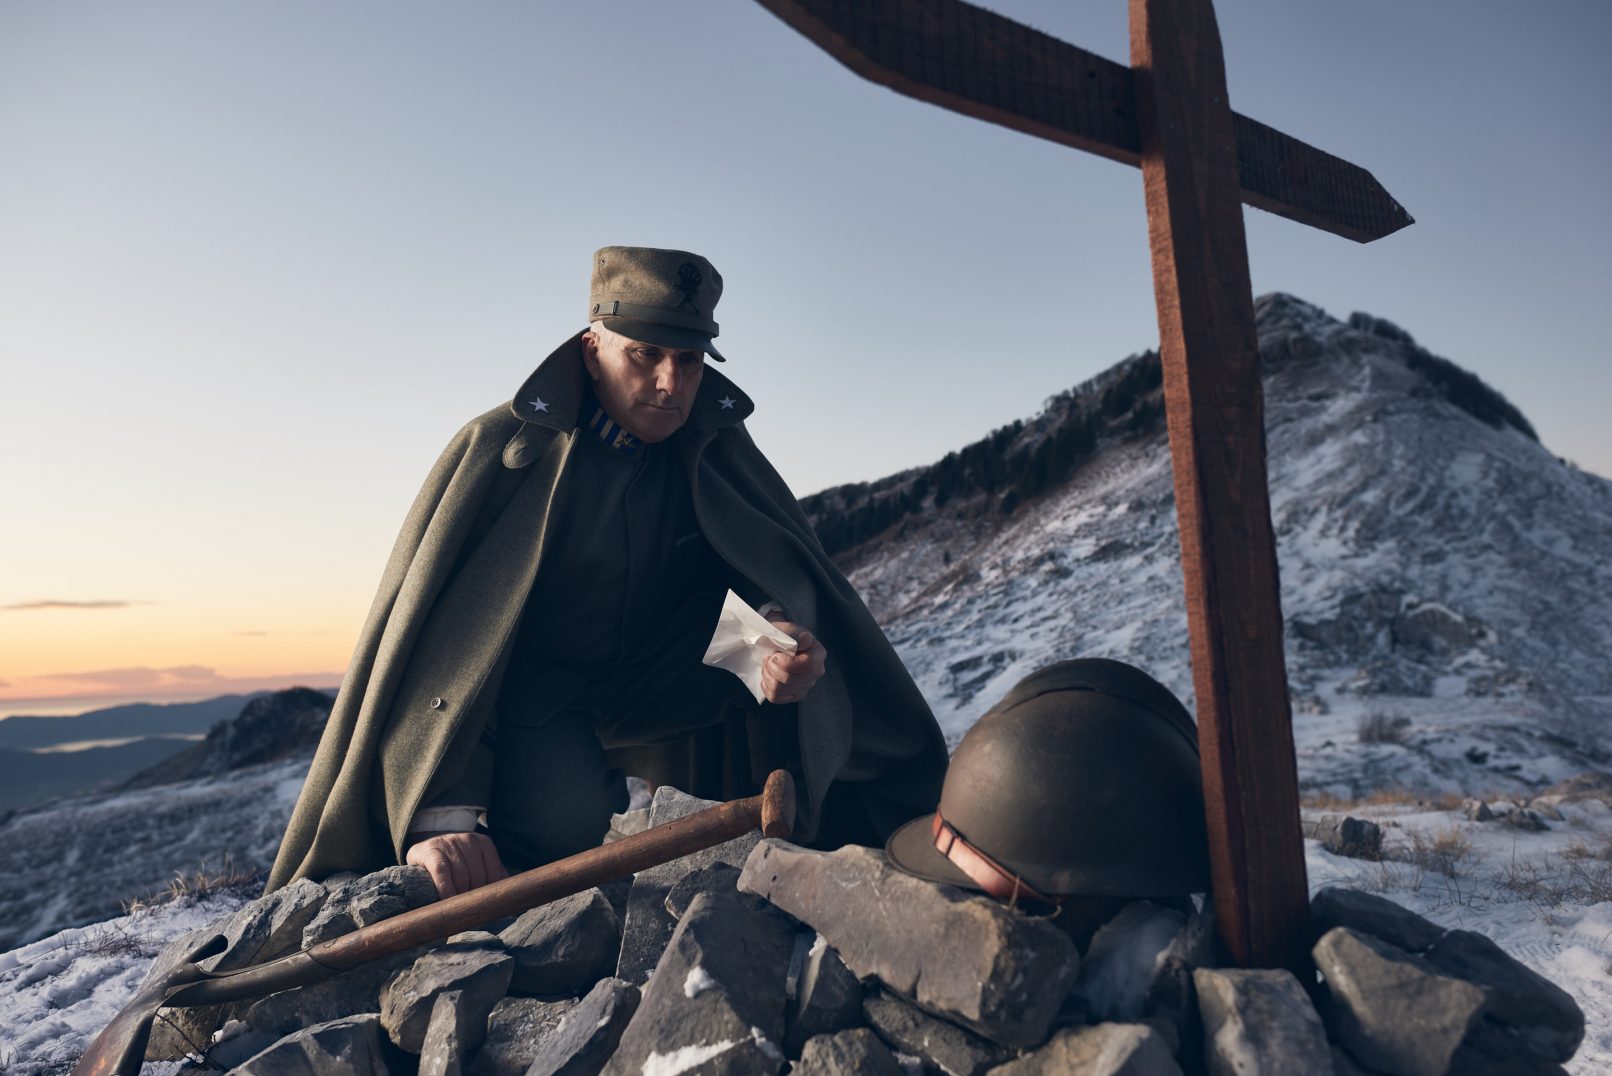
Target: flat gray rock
{"x": 349, "y": 1045}
{"x": 826, "y": 997}
{"x": 1099, "y": 1050}
{"x": 718, "y": 876}
{"x": 1392, "y": 1010}
{"x": 627, "y": 824}
{"x": 1172, "y": 999}
{"x": 943, "y": 1045}
{"x": 358, "y": 990}
{"x": 716, "y": 1001}
{"x": 368, "y": 899}
{"x": 1368, "y": 913}
{"x": 478, "y": 977}
{"x": 1539, "y": 1016}
{"x": 590, "y": 1033}
{"x": 1259, "y": 1020}
{"x": 963, "y": 956}
{"x": 857, "y": 1052}
{"x": 564, "y": 947}
{"x": 1342, "y": 835}
{"x": 1492, "y": 1050}
{"x": 1526, "y": 819}
{"x": 516, "y": 1033}
{"x": 1118, "y": 969}
{"x": 648, "y": 926}
{"x": 443, "y": 1052}
{"x": 471, "y": 939}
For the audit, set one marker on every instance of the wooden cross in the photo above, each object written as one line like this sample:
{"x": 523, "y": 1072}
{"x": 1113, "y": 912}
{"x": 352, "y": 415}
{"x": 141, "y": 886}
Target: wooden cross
{"x": 1168, "y": 113}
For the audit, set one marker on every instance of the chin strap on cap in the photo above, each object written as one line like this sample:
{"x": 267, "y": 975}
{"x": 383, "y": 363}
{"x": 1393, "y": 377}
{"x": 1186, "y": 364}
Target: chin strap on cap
{"x": 986, "y": 872}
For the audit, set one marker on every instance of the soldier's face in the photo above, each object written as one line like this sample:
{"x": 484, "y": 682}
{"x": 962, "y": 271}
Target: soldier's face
{"x": 647, "y": 389}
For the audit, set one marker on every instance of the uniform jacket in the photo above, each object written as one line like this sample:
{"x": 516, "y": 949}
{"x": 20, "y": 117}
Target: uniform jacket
{"x": 425, "y": 673}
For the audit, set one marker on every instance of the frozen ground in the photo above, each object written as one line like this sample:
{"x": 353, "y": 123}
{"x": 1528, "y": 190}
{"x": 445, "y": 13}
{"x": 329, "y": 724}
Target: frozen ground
{"x": 57, "y": 993}
{"x": 79, "y": 860}
{"x": 1545, "y": 897}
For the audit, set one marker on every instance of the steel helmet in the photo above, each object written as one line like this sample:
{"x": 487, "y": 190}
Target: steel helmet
{"x": 1083, "y": 780}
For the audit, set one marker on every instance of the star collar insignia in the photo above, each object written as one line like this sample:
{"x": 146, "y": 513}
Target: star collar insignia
{"x": 727, "y": 403}
{"x": 539, "y": 405}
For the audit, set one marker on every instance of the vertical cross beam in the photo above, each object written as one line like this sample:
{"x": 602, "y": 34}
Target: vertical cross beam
{"x": 1215, "y": 412}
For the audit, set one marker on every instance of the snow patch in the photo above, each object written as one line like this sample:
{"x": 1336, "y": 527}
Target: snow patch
{"x": 698, "y": 981}
{"x": 684, "y": 1058}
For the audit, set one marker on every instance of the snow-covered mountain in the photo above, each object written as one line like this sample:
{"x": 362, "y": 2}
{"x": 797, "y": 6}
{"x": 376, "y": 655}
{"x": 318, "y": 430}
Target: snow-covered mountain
{"x": 1446, "y": 581}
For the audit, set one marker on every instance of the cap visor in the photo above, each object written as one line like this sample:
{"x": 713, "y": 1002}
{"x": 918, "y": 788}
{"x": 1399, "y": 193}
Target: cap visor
{"x": 912, "y": 848}
{"x": 650, "y": 332}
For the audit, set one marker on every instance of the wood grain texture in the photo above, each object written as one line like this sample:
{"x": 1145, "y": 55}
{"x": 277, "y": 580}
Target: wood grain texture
{"x": 1215, "y": 412}
{"x": 969, "y": 60}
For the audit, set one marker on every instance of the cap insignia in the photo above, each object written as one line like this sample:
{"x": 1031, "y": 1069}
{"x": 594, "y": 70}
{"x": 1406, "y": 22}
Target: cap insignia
{"x": 688, "y": 282}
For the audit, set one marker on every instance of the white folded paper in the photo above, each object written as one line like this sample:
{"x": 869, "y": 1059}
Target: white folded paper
{"x": 743, "y": 640}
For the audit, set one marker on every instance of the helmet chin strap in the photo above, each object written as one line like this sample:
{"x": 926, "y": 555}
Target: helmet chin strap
{"x": 986, "y": 872}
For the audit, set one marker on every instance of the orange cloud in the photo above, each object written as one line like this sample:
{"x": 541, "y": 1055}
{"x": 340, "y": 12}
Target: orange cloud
{"x": 139, "y": 677}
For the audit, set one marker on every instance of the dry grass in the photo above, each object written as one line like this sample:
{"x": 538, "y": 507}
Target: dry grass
{"x": 1580, "y": 880}
{"x": 111, "y": 939}
{"x": 1377, "y": 727}
{"x": 1385, "y": 797}
{"x": 1579, "y": 850}
{"x": 198, "y": 884}
{"x": 1447, "y": 852}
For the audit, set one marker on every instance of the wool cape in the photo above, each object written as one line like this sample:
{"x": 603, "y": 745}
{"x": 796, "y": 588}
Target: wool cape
{"x": 424, "y": 675}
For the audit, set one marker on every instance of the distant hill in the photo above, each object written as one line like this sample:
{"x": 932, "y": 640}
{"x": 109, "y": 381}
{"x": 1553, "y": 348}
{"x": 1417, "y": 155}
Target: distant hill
{"x": 30, "y": 777}
{"x": 283, "y": 725}
{"x": 119, "y": 722}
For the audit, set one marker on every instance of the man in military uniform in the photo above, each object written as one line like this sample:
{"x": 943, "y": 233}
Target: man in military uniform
{"x": 540, "y": 625}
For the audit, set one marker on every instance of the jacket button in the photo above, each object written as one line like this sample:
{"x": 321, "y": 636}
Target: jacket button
{"x": 436, "y": 703}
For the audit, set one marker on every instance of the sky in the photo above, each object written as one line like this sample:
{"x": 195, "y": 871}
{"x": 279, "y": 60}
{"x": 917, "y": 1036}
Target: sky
{"x": 259, "y": 261}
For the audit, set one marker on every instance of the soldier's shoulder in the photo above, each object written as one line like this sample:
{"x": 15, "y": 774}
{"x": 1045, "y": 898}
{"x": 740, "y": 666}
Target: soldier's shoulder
{"x": 496, "y": 423}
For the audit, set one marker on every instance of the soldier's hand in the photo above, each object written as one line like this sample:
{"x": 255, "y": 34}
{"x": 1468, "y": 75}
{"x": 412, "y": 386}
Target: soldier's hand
{"x": 786, "y": 678}
{"x": 458, "y": 862}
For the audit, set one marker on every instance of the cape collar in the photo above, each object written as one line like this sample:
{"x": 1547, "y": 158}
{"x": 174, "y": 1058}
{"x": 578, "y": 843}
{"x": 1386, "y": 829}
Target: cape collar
{"x": 553, "y": 395}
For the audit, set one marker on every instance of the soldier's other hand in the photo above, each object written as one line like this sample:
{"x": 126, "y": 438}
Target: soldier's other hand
{"x": 458, "y": 862}
{"x": 786, "y": 678}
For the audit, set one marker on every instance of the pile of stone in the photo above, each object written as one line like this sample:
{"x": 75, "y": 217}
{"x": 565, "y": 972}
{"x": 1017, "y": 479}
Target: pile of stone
{"x": 759, "y": 956}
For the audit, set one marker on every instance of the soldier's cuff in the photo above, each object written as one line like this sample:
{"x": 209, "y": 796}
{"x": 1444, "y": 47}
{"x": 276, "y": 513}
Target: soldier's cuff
{"x": 454, "y": 818}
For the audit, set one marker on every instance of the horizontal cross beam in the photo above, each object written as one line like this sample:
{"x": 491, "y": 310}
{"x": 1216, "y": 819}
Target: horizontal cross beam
{"x": 969, "y": 60}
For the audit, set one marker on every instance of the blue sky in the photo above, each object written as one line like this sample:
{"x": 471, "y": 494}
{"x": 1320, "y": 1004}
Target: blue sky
{"x": 259, "y": 261}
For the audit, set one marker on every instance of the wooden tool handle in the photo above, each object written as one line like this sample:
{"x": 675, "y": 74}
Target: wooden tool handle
{"x": 773, "y": 811}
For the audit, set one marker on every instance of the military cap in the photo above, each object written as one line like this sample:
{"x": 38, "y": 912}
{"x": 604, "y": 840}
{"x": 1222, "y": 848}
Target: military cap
{"x": 664, "y": 297}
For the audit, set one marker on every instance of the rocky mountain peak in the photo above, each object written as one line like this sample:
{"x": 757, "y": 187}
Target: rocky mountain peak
{"x": 1437, "y": 563}
{"x": 269, "y": 728}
